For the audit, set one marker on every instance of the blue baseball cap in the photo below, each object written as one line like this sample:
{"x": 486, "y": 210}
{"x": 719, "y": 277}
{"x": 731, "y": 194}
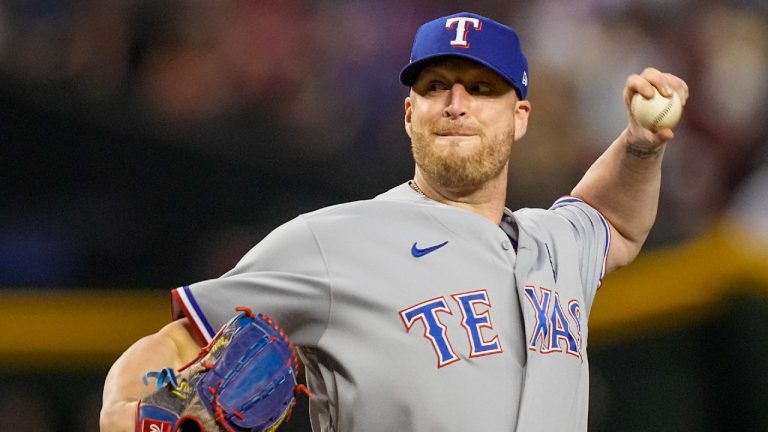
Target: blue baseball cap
{"x": 474, "y": 37}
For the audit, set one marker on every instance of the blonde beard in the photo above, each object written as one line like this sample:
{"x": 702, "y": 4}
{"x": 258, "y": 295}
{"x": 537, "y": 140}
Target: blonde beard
{"x": 453, "y": 171}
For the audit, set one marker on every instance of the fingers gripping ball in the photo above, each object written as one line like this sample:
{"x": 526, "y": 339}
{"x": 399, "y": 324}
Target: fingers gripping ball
{"x": 244, "y": 380}
{"x": 658, "y": 112}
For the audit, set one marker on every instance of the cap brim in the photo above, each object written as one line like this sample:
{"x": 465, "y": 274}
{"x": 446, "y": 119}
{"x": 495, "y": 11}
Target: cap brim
{"x": 411, "y": 72}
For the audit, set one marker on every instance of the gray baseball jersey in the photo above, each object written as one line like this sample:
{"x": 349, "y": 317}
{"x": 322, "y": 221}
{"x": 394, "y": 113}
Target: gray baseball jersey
{"x": 413, "y": 315}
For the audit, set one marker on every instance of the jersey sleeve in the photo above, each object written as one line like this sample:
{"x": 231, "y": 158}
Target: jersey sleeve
{"x": 592, "y": 234}
{"x": 283, "y": 276}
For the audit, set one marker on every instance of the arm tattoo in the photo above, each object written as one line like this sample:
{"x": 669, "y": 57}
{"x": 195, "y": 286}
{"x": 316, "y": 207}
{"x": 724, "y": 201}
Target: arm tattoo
{"x": 642, "y": 153}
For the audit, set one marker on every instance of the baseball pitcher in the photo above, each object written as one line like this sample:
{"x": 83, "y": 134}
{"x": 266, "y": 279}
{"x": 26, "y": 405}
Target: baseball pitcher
{"x": 433, "y": 307}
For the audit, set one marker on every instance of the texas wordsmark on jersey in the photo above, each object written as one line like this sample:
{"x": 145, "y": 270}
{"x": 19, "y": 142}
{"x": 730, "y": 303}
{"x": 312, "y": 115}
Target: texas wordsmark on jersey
{"x": 402, "y": 307}
{"x": 561, "y": 261}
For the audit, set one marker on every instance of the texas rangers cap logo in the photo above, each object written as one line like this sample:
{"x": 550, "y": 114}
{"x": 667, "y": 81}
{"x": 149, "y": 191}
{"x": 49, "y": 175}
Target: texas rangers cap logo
{"x": 462, "y": 26}
{"x": 475, "y": 37}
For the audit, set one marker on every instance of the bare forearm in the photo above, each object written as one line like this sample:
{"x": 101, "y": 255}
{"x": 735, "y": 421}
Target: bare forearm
{"x": 173, "y": 346}
{"x": 623, "y": 184}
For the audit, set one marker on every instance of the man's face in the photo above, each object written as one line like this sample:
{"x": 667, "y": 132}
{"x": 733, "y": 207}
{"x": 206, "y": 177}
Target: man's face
{"x": 463, "y": 119}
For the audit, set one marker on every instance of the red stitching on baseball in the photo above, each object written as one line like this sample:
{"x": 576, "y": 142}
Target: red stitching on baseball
{"x": 662, "y": 114}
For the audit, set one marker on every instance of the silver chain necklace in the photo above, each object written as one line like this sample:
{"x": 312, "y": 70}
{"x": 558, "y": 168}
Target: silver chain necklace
{"x": 415, "y": 187}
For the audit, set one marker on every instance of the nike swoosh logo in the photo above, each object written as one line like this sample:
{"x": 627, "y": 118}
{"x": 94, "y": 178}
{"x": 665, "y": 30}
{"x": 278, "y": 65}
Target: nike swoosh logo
{"x": 415, "y": 251}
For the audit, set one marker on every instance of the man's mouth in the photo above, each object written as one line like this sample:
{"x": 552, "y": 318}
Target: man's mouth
{"x": 454, "y": 133}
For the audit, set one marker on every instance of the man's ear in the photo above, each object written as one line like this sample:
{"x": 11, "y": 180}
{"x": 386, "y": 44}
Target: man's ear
{"x": 408, "y": 112}
{"x": 522, "y": 111}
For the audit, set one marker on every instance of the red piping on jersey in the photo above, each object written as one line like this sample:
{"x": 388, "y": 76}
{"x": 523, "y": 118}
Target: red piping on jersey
{"x": 177, "y": 300}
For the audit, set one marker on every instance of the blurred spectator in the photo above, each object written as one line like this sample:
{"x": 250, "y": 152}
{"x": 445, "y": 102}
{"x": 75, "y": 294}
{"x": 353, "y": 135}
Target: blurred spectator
{"x": 747, "y": 213}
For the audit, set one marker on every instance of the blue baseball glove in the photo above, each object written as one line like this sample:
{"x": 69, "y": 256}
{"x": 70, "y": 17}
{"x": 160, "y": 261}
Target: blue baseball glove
{"x": 244, "y": 380}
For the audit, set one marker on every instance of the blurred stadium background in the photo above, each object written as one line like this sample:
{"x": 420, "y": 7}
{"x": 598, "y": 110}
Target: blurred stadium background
{"x": 148, "y": 144}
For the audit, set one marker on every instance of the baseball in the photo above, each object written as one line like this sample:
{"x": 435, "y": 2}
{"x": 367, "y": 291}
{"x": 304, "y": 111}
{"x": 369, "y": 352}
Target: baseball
{"x": 658, "y": 112}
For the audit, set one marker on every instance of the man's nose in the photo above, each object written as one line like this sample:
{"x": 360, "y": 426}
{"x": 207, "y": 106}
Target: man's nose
{"x": 458, "y": 102}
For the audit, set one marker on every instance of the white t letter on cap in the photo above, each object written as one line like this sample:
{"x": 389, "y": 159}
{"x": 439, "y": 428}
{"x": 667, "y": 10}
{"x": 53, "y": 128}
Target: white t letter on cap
{"x": 462, "y": 29}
